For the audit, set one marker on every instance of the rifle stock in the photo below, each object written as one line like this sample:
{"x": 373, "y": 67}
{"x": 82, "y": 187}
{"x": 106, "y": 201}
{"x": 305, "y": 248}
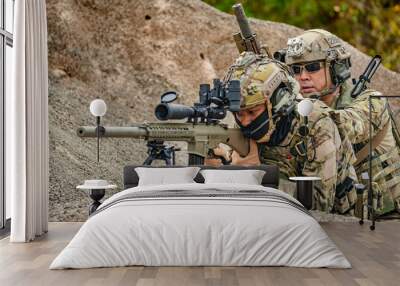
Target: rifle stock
{"x": 201, "y": 138}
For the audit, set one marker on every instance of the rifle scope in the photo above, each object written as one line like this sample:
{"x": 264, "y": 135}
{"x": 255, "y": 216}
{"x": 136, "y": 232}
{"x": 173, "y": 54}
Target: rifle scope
{"x": 165, "y": 111}
{"x": 212, "y": 106}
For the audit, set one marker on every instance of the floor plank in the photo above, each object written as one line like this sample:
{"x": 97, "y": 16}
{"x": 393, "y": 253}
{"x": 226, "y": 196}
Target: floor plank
{"x": 374, "y": 255}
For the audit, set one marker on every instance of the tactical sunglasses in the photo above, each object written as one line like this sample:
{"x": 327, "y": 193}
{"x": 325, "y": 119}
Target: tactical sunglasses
{"x": 309, "y": 67}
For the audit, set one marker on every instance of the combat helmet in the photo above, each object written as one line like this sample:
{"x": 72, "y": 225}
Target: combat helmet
{"x": 263, "y": 81}
{"x": 320, "y": 45}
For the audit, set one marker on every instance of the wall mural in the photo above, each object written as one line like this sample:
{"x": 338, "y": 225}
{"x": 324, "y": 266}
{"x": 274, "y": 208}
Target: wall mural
{"x": 128, "y": 55}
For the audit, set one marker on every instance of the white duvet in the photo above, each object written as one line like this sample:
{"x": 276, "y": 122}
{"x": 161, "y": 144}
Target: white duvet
{"x": 183, "y": 231}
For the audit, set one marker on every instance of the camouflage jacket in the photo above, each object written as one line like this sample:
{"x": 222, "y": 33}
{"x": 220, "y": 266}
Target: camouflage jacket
{"x": 354, "y": 119}
{"x": 327, "y": 156}
{"x": 352, "y": 115}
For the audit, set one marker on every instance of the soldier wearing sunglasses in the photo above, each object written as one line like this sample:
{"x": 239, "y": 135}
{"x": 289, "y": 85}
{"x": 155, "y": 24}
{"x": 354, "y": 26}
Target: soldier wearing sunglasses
{"x": 321, "y": 65}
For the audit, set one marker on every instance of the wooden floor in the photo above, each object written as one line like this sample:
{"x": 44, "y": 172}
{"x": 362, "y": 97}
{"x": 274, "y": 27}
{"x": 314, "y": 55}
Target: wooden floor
{"x": 375, "y": 257}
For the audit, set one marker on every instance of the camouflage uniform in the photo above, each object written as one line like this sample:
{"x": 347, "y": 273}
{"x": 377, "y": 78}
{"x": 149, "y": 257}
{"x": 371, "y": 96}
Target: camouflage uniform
{"x": 352, "y": 116}
{"x": 320, "y": 153}
{"x": 326, "y": 158}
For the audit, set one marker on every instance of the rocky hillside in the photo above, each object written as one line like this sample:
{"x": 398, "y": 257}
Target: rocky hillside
{"x": 128, "y": 53}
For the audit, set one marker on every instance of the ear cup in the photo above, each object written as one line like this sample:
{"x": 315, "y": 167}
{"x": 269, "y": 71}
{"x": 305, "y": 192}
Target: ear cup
{"x": 340, "y": 71}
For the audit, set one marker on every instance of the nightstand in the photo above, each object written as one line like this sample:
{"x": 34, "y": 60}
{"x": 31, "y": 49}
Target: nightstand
{"x": 97, "y": 190}
{"x": 304, "y": 190}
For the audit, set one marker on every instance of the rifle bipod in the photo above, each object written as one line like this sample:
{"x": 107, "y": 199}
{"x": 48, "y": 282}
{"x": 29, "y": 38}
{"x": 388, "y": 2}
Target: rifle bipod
{"x": 158, "y": 151}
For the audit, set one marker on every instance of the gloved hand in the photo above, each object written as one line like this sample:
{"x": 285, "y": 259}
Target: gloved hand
{"x": 251, "y": 159}
{"x": 218, "y": 153}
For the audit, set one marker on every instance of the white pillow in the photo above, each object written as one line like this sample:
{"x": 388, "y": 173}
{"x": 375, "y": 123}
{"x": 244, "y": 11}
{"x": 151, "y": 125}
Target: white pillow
{"x": 164, "y": 176}
{"x": 248, "y": 177}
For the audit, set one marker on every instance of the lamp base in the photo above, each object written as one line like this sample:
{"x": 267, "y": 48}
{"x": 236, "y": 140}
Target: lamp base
{"x": 96, "y": 195}
{"x": 305, "y": 193}
{"x": 304, "y": 190}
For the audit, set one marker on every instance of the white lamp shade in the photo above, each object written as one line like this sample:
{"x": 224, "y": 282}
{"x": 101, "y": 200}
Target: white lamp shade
{"x": 98, "y": 107}
{"x": 305, "y": 107}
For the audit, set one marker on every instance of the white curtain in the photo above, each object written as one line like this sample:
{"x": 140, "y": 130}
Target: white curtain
{"x": 27, "y": 152}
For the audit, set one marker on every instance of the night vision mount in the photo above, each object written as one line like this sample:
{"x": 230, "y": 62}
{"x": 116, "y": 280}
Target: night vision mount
{"x": 211, "y": 108}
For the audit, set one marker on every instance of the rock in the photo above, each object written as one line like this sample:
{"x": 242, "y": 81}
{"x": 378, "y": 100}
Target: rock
{"x": 58, "y": 73}
{"x": 129, "y": 53}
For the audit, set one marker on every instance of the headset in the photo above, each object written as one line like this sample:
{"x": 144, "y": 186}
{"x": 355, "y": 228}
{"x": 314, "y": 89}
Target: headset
{"x": 340, "y": 71}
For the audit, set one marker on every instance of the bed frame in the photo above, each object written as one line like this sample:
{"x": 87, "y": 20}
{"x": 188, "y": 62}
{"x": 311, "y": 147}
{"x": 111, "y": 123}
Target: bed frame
{"x": 270, "y": 179}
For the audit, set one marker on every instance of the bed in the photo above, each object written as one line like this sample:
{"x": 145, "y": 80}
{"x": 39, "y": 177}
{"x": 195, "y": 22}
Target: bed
{"x": 201, "y": 224}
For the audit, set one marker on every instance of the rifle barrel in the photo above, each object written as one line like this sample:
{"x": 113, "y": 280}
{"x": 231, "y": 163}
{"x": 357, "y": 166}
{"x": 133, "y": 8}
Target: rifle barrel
{"x": 121, "y": 132}
{"x": 242, "y": 20}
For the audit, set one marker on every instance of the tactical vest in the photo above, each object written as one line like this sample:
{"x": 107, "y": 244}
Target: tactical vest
{"x": 385, "y": 157}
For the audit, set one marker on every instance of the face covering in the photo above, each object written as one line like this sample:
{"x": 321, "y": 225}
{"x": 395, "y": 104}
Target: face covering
{"x": 282, "y": 129}
{"x": 257, "y": 128}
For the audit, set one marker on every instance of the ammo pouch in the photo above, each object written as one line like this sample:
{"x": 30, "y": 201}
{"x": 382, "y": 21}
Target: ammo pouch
{"x": 345, "y": 196}
{"x": 362, "y": 196}
{"x": 377, "y": 198}
{"x": 385, "y": 181}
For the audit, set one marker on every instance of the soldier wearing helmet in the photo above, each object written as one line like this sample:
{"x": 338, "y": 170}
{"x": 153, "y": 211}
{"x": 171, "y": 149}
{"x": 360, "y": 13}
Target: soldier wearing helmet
{"x": 321, "y": 65}
{"x": 269, "y": 117}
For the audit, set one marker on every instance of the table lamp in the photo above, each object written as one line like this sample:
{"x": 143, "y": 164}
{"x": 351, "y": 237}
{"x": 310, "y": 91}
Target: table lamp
{"x": 98, "y": 109}
{"x": 304, "y": 185}
{"x": 97, "y": 187}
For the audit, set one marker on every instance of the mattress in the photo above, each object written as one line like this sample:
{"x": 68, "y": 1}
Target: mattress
{"x": 201, "y": 225}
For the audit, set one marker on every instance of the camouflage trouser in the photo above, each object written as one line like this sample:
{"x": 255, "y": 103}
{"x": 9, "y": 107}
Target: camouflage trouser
{"x": 349, "y": 202}
{"x": 385, "y": 181}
